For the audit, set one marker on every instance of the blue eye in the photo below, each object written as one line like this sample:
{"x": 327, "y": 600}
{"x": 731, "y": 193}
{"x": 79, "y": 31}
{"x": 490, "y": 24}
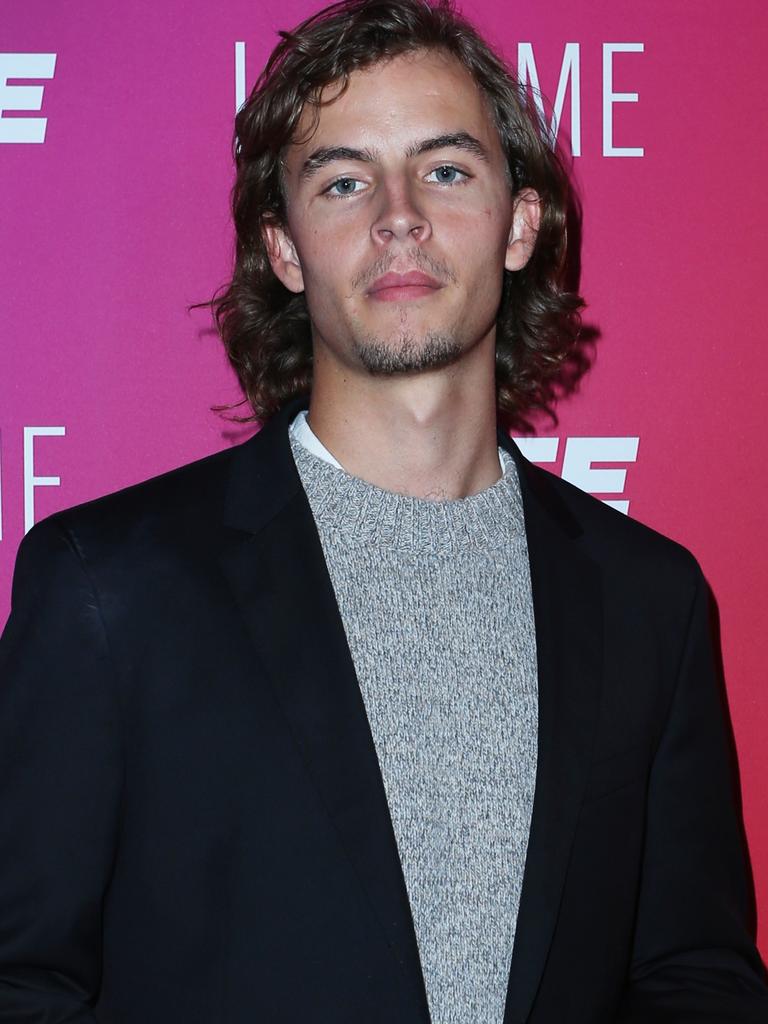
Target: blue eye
{"x": 341, "y": 184}
{"x": 447, "y": 174}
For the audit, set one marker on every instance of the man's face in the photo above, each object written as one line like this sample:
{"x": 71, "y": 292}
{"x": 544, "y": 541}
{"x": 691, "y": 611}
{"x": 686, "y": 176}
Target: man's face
{"x": 400, "y": 218}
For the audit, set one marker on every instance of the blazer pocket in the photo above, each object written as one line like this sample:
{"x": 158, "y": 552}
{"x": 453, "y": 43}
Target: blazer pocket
{"x": 611, "y": 773}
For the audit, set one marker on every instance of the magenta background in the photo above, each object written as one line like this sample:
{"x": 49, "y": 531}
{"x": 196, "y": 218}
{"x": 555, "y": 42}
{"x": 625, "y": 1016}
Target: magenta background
{"x": 120, "y": 218}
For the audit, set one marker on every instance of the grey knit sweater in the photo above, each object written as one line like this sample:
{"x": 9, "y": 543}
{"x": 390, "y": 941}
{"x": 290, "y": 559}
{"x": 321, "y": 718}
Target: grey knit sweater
{"x": 436, "y": 603}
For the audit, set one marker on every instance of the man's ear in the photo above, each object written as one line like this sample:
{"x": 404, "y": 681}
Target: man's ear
{"x": 526, "y": 214}
{"x": 282, "y": 255}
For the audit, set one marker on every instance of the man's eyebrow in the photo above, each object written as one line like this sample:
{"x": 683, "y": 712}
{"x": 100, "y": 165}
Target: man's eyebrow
{"x": 452, "y": 140}
{"x": 327, "y": 154}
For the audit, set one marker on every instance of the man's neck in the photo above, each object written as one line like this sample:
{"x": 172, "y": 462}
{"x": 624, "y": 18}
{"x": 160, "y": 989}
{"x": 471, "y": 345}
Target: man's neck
{"x": 424, "y": 449}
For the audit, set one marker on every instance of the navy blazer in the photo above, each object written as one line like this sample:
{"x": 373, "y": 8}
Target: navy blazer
{"x": 193, "y": 825}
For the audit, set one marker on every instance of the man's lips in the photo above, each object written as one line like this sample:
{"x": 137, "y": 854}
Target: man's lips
{"x": 412, "y": 285}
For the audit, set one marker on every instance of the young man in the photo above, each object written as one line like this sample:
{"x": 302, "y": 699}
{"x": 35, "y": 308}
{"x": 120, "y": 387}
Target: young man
{"x": 367, "y": 719}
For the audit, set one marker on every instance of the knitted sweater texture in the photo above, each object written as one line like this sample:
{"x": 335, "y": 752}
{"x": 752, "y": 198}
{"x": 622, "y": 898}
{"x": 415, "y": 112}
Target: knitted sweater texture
{"x": 435, "y": 599}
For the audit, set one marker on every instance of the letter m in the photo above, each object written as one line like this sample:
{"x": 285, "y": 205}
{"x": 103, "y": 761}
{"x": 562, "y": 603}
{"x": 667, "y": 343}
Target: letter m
{"x": 569, "y": 69}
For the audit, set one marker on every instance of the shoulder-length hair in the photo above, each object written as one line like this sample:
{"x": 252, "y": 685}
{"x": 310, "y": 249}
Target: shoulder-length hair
{"x": 264, "y": 326}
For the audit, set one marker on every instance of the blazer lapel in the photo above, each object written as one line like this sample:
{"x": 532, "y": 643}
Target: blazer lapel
{"x": 277, "y": 571}
{"x": 567, "y": 602}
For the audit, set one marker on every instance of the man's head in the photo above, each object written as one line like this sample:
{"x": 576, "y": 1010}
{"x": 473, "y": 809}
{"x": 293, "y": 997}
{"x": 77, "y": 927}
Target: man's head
{"x": 384, "y": 137}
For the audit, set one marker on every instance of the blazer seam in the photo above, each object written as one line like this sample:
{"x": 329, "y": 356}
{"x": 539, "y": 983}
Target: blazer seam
{"x": 72, "y": 543}
{"x": 684, "y": 652}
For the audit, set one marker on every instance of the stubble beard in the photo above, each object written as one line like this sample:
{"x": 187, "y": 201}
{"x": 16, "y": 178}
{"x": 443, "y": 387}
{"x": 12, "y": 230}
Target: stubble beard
{"x": 406, "y": 354}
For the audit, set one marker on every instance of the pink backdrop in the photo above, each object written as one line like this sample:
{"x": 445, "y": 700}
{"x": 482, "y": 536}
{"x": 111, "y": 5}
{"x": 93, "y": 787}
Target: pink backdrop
{"x": 116, "y": 168}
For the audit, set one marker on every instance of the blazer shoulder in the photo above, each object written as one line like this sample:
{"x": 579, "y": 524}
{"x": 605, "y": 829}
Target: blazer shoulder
{"x": 614, "y": 537}
{"x": 172, "y": 503}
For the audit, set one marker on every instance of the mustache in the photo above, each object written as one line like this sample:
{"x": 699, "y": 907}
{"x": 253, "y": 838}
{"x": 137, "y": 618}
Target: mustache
{"x": 417, "y": 259}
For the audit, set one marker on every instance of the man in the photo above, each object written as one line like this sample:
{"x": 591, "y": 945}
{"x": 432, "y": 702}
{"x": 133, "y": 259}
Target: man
{"x": 368, "y": 719}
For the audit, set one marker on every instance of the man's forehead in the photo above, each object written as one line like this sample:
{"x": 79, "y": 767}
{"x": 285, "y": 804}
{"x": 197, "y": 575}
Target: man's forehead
{"x": 382, "y": 100}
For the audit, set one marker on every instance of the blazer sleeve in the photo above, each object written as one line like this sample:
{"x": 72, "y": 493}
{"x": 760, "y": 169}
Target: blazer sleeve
{"x": 694, "y": 959}
{"x": 60, "y": 784}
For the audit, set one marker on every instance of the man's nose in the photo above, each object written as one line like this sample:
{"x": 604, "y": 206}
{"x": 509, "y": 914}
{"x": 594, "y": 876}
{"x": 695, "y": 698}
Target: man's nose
{"x": 400, "y": 218}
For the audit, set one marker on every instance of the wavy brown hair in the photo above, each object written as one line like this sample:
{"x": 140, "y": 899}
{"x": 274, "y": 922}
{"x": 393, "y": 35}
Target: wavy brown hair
{"x": 264, "y": 326}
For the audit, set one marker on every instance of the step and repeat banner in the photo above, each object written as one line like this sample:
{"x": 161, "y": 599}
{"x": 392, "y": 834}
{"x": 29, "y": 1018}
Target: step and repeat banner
{"x": 115, "y": 161}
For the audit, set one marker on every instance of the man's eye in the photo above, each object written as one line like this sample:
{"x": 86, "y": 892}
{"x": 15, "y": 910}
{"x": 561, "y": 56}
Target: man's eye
{"x": 345, "y": 186}
{"x": 447, "y": 174}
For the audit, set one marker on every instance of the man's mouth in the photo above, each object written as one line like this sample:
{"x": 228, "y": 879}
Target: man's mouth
{"x": 400, "y": 287}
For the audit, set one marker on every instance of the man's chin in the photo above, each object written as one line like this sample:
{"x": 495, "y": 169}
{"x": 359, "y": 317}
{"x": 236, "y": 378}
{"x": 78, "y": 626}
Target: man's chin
{"x": 405, "y": 352}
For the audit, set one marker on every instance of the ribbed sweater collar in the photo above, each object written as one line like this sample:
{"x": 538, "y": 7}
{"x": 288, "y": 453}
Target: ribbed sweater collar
{"x": 358, "y": 512}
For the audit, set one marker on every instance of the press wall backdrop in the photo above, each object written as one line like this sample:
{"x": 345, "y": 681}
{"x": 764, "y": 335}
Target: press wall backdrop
{"x": 115, "y": 169}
